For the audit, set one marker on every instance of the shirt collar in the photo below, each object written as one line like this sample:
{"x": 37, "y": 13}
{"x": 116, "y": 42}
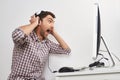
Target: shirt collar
{"x": 35, "y": 37}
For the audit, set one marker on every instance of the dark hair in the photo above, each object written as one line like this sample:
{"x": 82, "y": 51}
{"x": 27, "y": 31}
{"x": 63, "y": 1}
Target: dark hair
{"x": 43, "y": 14}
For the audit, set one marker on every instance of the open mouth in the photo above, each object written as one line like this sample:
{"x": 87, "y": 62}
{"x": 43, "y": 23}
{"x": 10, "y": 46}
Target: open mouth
{"x": 48, "y": 31}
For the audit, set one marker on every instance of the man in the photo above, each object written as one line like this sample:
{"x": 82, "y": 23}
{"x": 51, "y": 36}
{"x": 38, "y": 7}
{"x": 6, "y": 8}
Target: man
{"x": 32, "y": 47}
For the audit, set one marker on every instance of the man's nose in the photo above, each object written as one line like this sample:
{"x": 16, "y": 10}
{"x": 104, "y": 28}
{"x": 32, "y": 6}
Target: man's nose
{"x": 52, "y": 25}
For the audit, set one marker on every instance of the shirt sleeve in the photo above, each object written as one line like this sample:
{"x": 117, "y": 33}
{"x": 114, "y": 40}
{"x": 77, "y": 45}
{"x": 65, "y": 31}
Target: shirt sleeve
{"x": 57, "y": 49}
{"x": 19, "y": 37}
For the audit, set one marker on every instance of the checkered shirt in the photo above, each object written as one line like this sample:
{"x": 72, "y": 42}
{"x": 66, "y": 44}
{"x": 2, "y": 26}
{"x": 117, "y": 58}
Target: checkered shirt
{"x": 30, "y": 55}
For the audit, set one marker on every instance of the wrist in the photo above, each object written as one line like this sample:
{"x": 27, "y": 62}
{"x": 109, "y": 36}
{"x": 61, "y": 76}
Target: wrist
{"x": 34, "y": 24}
{"x": 54, "y": 32}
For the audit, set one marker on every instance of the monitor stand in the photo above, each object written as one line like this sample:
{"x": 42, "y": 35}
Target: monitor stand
{"x": 113, "y": 63}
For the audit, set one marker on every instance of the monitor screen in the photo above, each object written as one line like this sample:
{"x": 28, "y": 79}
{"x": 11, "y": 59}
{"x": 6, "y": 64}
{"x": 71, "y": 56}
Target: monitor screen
{"x": 96, "y": 31}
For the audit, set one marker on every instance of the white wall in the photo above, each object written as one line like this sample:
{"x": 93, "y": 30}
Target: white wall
{"x": 74, "y": 23}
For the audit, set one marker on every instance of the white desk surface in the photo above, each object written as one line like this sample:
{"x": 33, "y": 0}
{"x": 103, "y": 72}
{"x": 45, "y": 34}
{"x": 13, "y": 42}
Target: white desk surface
{"x": 95, "y": 71}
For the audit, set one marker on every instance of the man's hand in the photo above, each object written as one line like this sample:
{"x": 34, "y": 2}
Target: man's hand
{"x": 52, "y": 31}
{"x": 62, "y": 43}
{"x": 34, "y": 20}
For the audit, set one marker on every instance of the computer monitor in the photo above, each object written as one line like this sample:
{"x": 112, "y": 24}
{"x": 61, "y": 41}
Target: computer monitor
{"x": 96, "y": 31}
{"x": 97, "y": 37}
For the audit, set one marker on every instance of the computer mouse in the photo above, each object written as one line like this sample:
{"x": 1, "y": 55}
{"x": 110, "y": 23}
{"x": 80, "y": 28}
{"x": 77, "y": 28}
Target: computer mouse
{"x": 66, "y": 69}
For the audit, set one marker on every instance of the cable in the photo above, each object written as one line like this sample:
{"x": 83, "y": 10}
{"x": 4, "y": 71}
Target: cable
{"x": 112, "y": 54}
{"x": 116, "y": 57}
{"x": 103, "y": 57}
{"x": 98, "y": 63}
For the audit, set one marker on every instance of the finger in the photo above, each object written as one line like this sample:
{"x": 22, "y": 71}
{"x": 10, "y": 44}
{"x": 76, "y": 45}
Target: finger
{"x": 37, "y": 17}
{"x": 33, "y": 16}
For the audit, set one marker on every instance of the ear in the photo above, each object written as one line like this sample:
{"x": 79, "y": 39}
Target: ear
{"x": 39, "y": 22}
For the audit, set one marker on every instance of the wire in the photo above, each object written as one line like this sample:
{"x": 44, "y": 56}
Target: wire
{"x": 103, "y": 57}
{"x": 112, "y": 54}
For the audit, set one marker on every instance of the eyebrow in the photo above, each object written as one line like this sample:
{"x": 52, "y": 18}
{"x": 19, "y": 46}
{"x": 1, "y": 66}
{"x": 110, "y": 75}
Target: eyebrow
{"x": 51, "y": 19}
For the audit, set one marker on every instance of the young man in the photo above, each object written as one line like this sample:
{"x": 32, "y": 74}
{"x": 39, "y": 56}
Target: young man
{"x": 32, "y": 47}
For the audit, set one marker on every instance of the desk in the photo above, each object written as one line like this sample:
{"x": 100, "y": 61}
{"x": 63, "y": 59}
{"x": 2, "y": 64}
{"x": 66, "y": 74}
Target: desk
{"x": 112, "y": 73}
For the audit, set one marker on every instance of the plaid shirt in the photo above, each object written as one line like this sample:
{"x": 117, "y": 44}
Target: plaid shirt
{"x": 30, "y": 55}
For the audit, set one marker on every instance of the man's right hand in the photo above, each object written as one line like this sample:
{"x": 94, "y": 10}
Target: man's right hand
{"x": 34, "y": 20}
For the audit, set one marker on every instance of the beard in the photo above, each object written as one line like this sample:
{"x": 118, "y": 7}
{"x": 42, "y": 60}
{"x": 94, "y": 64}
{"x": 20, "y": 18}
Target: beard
{"x": 42, "y": 33}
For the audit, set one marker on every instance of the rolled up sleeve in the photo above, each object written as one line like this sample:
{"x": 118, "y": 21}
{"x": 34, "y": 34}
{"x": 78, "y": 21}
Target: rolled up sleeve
{"x": 57, "y": 49}
{"x": 19, "y": 37}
